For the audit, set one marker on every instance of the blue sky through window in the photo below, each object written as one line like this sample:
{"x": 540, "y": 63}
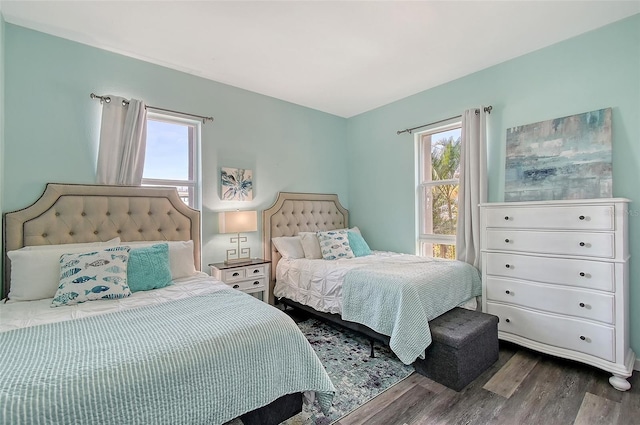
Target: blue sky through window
{"x": 167, "y": 153}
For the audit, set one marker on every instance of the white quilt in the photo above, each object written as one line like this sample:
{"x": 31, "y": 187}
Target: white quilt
{"x": 23, "y": 314}
{"x": 318, "y": 283}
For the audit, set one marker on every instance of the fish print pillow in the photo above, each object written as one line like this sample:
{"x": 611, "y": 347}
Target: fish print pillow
{"x": 334, "y": 245}
{"x": 94, "y": 275}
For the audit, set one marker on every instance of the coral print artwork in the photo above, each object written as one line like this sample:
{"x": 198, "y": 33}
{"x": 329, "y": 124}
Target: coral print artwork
{"x": 237, "y": 184}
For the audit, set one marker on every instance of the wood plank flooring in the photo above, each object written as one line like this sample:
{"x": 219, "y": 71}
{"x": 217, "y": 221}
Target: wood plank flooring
{"x": 523, "y": 387}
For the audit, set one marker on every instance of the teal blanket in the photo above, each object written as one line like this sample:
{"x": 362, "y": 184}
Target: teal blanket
{"x": 397, "y": 298}
{"x": 200, "y": 360}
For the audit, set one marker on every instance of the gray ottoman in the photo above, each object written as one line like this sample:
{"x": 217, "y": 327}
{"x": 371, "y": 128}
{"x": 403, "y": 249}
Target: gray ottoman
{"x": 465, "y": 344}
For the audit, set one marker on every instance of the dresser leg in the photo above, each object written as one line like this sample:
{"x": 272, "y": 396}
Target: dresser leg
{"x": 619, "y": 382}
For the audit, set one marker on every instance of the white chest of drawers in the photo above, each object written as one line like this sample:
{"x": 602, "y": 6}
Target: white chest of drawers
{"x": 556, "y": 274}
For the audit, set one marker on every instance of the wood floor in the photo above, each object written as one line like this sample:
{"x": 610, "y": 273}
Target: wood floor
{"x": 521, "y": 388}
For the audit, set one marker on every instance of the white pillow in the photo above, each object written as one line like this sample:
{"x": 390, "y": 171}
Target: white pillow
{"x": 95, "y": 275}
{"x": 289, "y": 246}
{"x": 335, "y": 244}
{"x": 35, "y": 270}
{"x": 180, "y": 256}
{"x": 310, "y": 245}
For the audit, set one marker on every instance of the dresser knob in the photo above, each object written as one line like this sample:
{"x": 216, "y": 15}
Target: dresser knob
{"x": 581, "y": 305}
{"x": 506, "y": 240}
{"x": 257, "y": 282}
{"x": 582, "y": 337}
{"x": 582, "y": 244}
{"x": 507, "y": 292}
{"x": 582, "y": 217}
{"x": 236, "y": 286}
{"x": 508, "y": 320}
{"x": 583, "y": 274}
{"x": 507, "y": 266}
{"x": 256, "y": 271}
{"x": 506, "y": 217}
{"x": 235, "y": 274}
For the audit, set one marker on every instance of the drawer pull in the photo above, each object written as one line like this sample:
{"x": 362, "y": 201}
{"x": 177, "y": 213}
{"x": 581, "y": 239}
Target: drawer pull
{"x": 506, "y": 240}
{"x": 506, "y": 217}
{"x": 581, "y": 305}
{"x": 507, "y": 292}
{"x": 235, "y": 274}
{"x": 582, "y": 337}
{"x": 583, "y": 274}
{"x": 507, "y": 266}
{"x": 582, "y": 244}
{"x": 507, "y": 320}
{"x": 582, "y": 217}
{"x": 257, "y": 282}
{"x": 236, "y": 286}
{"x": 256, "y": 271}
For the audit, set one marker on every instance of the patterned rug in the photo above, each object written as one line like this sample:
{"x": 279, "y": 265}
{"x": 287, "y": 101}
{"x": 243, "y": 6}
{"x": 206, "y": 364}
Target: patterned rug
{"x": 357, "y": 377}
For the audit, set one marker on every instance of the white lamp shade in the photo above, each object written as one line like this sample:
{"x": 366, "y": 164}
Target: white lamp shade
{"x": 238, "y": 221}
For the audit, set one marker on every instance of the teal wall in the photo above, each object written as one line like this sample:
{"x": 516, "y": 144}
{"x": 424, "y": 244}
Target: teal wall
{"x": 52, "y": 128}
{"x": 596, "y": 70}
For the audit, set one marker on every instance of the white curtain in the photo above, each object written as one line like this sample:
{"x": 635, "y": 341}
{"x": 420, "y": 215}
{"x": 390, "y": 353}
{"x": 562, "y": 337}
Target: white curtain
{"x": 473, "y": 184}
{"x": 123, "y": 139}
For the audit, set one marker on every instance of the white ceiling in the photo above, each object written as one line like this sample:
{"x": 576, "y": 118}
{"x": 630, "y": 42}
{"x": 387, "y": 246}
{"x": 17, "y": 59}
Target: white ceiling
{"x": 341, "y": 57}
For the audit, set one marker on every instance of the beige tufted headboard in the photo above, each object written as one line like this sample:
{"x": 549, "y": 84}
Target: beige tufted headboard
{"x": 92, "y": 213}
{"x": 299, "y": 212}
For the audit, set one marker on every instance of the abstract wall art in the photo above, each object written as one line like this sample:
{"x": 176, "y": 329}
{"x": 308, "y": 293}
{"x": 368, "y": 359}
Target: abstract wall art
{"x": 562, "y": 158}
{"x": 237, "y": 184}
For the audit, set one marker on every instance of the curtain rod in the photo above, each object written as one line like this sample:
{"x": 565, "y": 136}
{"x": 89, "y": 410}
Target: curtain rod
{"x": 107, "y": 99}
{"x": 409, "y": 130}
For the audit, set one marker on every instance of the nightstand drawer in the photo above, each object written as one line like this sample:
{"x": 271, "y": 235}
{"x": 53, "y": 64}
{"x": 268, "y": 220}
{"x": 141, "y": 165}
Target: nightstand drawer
{"x": 256, "y": 271}
{"x": 258, "y": 283}
{"x": 233, "y": 274}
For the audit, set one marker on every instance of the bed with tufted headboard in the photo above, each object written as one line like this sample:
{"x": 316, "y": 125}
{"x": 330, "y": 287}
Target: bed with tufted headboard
{"x": 389, "y": 297}
{"x": 155, "y": 354}
{"x": 68, "y": 213}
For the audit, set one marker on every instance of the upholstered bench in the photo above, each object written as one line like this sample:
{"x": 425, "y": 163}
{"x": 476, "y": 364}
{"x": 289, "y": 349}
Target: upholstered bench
{"x": 465, "y": 344}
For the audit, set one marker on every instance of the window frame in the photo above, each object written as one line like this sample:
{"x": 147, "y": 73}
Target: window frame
{"x": 194, "y": 142}
{"x": 424, "y": 185}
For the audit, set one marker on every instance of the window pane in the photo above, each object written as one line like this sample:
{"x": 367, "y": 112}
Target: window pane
{"x": 167, "y": 154}
{"x": 440, "y": 209}
{"x": 186, "y": 193}
{"x": 445, "y": 155}
{"x": 438, "y": 250}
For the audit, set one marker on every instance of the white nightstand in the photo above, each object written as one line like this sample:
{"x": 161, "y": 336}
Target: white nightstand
{"x": 250, "y": 277}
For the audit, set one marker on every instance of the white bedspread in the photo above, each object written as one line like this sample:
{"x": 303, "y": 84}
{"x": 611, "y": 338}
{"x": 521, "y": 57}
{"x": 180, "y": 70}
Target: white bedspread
{"x": 23, "y": 314}
{"x": 318, "y": 283}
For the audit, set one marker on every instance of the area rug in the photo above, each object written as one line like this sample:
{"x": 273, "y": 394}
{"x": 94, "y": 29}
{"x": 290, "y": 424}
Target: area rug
{"x": 357, "y": 377}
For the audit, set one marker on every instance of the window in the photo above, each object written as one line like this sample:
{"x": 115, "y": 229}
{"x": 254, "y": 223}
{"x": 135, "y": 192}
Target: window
{"x": 172, "y": 156}
{"x": 439, "y": 170}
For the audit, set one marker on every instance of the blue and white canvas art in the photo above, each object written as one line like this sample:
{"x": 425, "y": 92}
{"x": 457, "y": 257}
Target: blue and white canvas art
{"x": 237, "y": 184}
{"x": 562, "y": 158}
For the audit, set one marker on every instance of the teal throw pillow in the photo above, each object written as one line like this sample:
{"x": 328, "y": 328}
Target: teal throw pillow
{"x": 149, "y": 268}
{"x": 358, "y": 244}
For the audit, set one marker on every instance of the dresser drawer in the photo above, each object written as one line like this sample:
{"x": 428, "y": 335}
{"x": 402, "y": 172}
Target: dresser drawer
{"x": 554, "y": 299}
{"x": 559, "y": 243}
{"x": 582, "y": 273}
{"x": 578, "y": 217}
{"x": 564, "y": 332}
{"x": 233, "y": 274}
{"x": 258, "y": 283}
